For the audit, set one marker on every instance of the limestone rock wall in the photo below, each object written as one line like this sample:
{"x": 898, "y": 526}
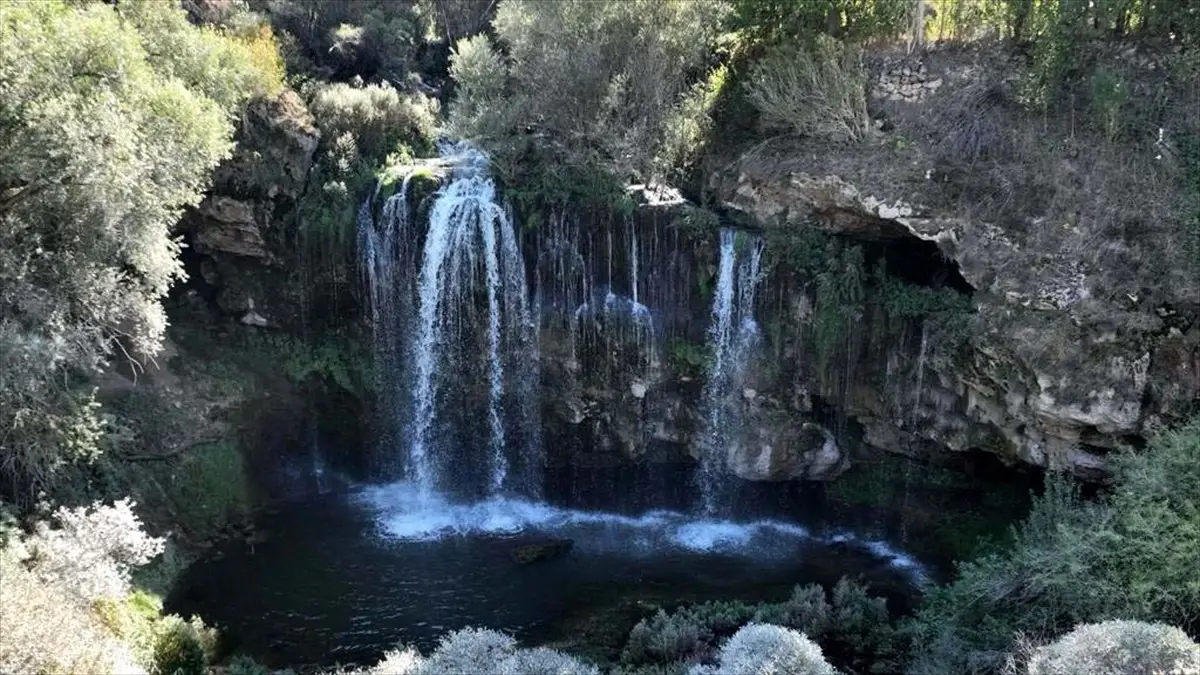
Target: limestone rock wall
{"x": 243, "y": 231}
{"x": 1048, "y": 379}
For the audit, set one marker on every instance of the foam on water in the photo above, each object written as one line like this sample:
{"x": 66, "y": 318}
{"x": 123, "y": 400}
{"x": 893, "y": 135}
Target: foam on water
{"x": 405, "y": 513}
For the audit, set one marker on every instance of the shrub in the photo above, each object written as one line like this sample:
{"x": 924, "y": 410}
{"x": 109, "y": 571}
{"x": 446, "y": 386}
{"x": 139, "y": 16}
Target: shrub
{"x": 542, "y": 661}
{"x": 820, "y": 90}
{"x": 134, "y": 620}
{"x": 377, "y": 117}
{"x": 763, "y": 649}
{"x": 66, "y": 606}
{"x": 594, "y": 80}
{"x": 181, "y": 647}
{"x": 92, "y": 550}
{"x": 969, "y": 122}
{"x": 470, "y": 650}
{"x": 855, "y": 624}
{"x": 47, "y": 629}
{"x": 1109, "y": 99}
{"x": 1132, "y": 554}
{"x": 1116, "y": 648}
{"x": 399, "y": 661}
{"x": 244, "y": 665}
{"x": 688, "y": 128}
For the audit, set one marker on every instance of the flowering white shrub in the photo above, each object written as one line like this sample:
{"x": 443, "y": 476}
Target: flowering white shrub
{"x": 542, "y": 661}
{"x": 470, "y": 650}
{"x": 763, "y": 649}
{"x": 1116, "y": 648}
{"x": 92, "y": 550}
{"x": 477, "y": 650}
{"x": 403, "y": 661}
{"x": 45, "y": 629}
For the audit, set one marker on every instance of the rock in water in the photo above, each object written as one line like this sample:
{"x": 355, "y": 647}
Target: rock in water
{"x": 541, "y": 550}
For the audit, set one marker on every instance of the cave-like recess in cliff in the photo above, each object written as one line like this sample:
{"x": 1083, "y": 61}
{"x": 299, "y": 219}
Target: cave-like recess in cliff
{"x": 914, "y": 260}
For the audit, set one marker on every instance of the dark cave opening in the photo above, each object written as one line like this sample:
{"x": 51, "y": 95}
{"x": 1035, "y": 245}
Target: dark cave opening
{"x": 916, "y": 261}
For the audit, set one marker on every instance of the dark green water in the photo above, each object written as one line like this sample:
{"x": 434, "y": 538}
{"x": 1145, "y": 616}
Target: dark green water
{"x": 343, "y": 577}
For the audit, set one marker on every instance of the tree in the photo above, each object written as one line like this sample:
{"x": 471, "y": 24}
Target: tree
{"x": 596, "y": 80}
{"x": 111, "y": 120}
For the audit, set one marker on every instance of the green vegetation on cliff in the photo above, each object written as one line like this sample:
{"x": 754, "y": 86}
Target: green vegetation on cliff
{"x": 1129, "y": 555}
{"x": 111, "y": 121}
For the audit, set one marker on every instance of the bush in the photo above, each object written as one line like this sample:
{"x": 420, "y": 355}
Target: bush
{"x": 853, "y": 624}
{"x": 47, "y": 629}
{"x": 399, "y": 662}
{"x": 1109, "y": 98}
{"x": 1132, "y": 554}
{"x": 244, "y": 665}
{"x": 92, "y": 550}
{"x": 66, "y": 602}
{"x": 470, "y": 650}
{"x": 542, "y": 661}
{"x": 1117, "y": 648}
{"x": 687, "y": 130}
{"x": 763, "y": 649}
{"x": 594, "y": 80}
{"x": 820, "y": 90}
{"x": 479, "y": 650}
{"x": 377, "y": 117}
{"x": 182, "y": 647}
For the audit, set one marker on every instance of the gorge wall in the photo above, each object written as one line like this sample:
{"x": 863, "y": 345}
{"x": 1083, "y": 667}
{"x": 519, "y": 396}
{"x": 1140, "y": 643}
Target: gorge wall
{"x": 887, "y": 316}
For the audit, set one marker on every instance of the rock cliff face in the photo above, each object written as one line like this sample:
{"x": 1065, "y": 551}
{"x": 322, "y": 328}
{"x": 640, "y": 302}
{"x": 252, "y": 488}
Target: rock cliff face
{"x": 241, "y": 234}
{"x": 626, "y": 309}
{"x": 1060, "y": 367}
{"x": 1072, "y": 344}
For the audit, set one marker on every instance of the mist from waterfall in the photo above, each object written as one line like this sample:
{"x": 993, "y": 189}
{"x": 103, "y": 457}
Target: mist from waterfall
{"x": 732, "y": 338}
{"x": 455, "y": 345}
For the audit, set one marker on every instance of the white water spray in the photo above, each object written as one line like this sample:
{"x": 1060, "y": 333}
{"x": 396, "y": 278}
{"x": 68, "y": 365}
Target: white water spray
{"x": 732, "y": 338}
{"x": 468, "y": 324}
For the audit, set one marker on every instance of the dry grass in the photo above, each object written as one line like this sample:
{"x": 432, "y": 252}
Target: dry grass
{"x": 819, "y": 91}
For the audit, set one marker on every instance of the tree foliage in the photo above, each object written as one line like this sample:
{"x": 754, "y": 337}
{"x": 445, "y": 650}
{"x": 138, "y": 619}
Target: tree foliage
{"x": 775, "y": 21}
{"x": 111, "y": 120}
{"x": 595, "y": 80}
{"x": 340, "y": 39}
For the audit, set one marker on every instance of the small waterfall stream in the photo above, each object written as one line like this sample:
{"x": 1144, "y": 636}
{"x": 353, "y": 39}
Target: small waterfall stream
{"x": 732, "y": 338}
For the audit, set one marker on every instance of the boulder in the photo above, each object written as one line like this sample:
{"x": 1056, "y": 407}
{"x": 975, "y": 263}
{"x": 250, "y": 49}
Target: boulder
{"x": 779, "y": 447}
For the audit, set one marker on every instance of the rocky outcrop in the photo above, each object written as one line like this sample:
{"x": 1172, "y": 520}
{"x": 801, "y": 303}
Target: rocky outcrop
{"x": 242, "y": 231}
{"x": 1059, "y": 368}
{"x": 781, "y": 447}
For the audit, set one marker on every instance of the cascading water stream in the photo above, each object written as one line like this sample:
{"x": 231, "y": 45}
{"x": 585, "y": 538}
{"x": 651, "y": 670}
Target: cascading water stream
{"x": 468, "y": 317}
{"x": 732, "y": 339}
{"x": 917, "y": 394}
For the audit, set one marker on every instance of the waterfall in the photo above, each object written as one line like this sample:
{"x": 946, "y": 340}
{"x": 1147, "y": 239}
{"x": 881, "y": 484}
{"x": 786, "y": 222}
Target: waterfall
{"x": 921, "y": 355}
{"x": 459, "y": 381}
{"x": 732, "y": 339}
{"x": 387, "y": 251}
